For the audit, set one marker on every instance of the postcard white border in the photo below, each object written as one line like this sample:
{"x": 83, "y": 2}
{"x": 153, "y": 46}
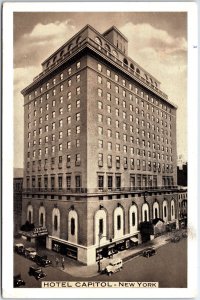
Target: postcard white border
{"x": 7, "y": 207}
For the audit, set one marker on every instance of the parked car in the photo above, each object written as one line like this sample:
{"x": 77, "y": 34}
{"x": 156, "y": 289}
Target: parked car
{"x": 184, "y": 234}
{"x": 149, "y": 252}
{"x": 42, "y": 261}
{"x": 114, "y": 266}
{"x": 175, "y": 239}
{"x": 36, "y": 272}
{"x": 18, "y": 281}
{"x": 30, "y": 253}
{"x": 19, "y": 248}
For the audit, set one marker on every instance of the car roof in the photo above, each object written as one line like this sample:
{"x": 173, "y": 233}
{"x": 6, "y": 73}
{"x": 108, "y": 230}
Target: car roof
{"x": 31, "y": 249}
{"x": 19, "y": 245}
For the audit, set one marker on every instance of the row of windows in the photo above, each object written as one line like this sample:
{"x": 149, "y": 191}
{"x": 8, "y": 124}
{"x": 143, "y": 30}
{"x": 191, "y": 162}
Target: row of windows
{"x": 129, "y": 86}
{"x": 53, "y": 127}
{"x": 61, "y": 77}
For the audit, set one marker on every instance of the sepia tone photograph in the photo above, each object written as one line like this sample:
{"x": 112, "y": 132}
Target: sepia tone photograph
{"x": 100, "y": 149}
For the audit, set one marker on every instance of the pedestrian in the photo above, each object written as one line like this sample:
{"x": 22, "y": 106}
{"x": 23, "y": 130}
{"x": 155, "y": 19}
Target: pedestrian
{"x": 63, "y": 263}
{"x": 57, "y": 261}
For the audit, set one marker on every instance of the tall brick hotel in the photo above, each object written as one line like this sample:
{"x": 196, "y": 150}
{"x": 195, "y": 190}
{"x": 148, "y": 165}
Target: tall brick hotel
{"x": 99, "y": 149}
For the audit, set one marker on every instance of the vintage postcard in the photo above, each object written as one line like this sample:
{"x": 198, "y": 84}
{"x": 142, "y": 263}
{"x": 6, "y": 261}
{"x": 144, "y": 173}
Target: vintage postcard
{"x": 98, "y": 117}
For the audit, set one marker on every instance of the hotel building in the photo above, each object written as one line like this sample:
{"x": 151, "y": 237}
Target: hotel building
{"x": 99, "y": 148}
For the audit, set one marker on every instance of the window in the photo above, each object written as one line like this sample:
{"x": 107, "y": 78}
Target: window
{"x": 46, "y": 128}
{"x": 100, "y": 144}
{"x": 133, "y": 219}
{"x": 108, "y": 121}
{"x": 61, "y": 111}
{"x": 99, "y": 79}
{"x": 53, "y": 126}
{"x": 100, "y": 118}
{"x": 46, "y": 150}
{"x": 124, "y": 126}
{"x": 109, "y": 146}
{"x": 78, "y": 158}
{"x": 117, "y": 124}
{"x": 68, "y": 132}
{"x": 108, "y": 85}
{"x": 78, "y": 117}
{"x": 118, "y": 222}
{"x": 78, "y": 90}
{"x": 117, "y": 89}
{"x": 124, "y": 93}
{"x": 100, "y": 105}
{"x": 68, "y": 120}
{"x": 78, "y": 181}
{"x": 108, "y": 97}
{"x": 109, "y": 132}
{"x": 108, "y": 72}
{"x": 116, "y": 77}
{"x": 100, "y": 182}
{"x": 124, "y": 115}
{"x": 117, "y": 101}
{"x": 60, "y": 123}
{"x": 61, "y": 99}
{"x": 109, "y": 160}
{"x": 78, "y": 129}
{"x": 77, "y": 143}
{"x": 117, "y": 112}
{"x": 78, "y": 103}
{"x": 108, "y": 108}
{"x": 68, "y": 181}
{"x": 100, "y": 130}
{"x": 125, "y": 149}
{"x": 53, "y": 149}
{"x": 99, "y": 67}
{"x": 100, "y": 159}
{"x": 69, "y": 95}
{"x": 69, "y": 83}
{"x": 68, "y": 145}
{"x": 100, "y": 92}
{"x": 117, "y": 147}
{"x": 100, "y": 226}
{"x": 78, "y": 65}
{"x": 55, "y": 223}
{"x": 60, "y": 179}
{"x": 69, "y": 107}
{"x": 72, "y": 226}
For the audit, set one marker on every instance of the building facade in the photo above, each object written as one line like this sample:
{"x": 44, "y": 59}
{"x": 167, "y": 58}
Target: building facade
{"x": 100, "y": 148}
{"x": 17, "y": 197}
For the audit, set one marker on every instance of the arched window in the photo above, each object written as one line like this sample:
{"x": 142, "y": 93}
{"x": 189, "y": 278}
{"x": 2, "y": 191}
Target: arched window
{"x": 29, "y": 216}
{"x": 115, "y": 53}
{"x": 145, "y": 212}
{"x": 125, "y": 61}
{"x": 137, "y": 71}
{"x": 70, "y": 47}
{"x": 61, "y": 53}
{"x": 98, "y": 41}
{"x": 132, "y": 66}
{"x": 41, "y": 219}
{"x": 100, "y": 225}
{"x": 118, "y": 222}
{"x": 155, "y": 210}
{"x": 172, "y": 210}
{"x": 54, "y": 59}
{"x": 165, "y": 211}
{"x": 55, "y": 223}
{"x": 79, "y": 40}
{"x": 72, "y": 226}
{"x": 133, "y": 218}
{"x": 107, "y": 48}
{"x": 30, "y": 213}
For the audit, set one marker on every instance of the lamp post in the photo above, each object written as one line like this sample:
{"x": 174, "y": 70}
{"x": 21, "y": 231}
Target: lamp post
{"x": 99, "y": 264}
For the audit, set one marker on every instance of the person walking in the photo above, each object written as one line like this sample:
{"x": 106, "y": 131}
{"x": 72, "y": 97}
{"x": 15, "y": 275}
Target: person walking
{"x": 63, "y": 263}
{"x": 57, "y": 261}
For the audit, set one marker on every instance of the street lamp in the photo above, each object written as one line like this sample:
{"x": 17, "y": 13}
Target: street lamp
{"x": 99, "y": 264}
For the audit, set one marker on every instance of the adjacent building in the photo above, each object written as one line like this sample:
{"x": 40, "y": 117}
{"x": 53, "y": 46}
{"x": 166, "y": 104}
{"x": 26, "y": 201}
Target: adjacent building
{"x": 99, "y": 148}
{"x": 17, "y": 190}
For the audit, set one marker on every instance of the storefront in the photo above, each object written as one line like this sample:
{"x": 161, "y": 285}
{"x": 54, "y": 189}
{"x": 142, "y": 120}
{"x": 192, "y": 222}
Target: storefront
{"x": 65, "y": 249}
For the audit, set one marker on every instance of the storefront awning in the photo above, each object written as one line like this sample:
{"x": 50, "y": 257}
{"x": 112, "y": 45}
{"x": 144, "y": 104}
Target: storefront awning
{"x": 134, "y": 239}
{"x": 120, "y": 242}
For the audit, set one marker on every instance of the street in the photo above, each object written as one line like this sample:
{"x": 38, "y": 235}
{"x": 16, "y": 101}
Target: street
{"x": 168, "y": 267}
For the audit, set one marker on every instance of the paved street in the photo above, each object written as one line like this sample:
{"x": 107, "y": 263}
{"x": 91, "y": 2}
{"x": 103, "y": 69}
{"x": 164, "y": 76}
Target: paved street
{"x": 168, "y": 267}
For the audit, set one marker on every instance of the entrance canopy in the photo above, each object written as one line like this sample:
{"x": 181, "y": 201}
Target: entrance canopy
{"x": 134, "y": 239}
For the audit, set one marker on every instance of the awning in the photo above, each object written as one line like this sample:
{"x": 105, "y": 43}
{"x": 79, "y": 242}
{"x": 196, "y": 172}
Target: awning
{"x": 134, "y": 239}
{"x": 120, "y": 242}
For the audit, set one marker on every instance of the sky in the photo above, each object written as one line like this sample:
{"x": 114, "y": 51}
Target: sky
{"x": 157, "y": 42}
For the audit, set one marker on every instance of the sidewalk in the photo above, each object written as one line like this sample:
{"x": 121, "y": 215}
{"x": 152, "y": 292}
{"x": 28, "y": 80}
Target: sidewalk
{"x": 77, "y": 269}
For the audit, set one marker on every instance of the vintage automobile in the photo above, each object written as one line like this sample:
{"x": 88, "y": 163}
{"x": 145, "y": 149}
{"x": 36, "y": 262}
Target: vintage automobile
{"x": 36, "y": 272}
{"x": 149, "y": 252}
{"x": 19, "y": 248}
{"x": 30, "y": 253}
{"x": 18, "y": 281}
{"x": 114, "y": 266}
{"x": 42, "y": 261}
